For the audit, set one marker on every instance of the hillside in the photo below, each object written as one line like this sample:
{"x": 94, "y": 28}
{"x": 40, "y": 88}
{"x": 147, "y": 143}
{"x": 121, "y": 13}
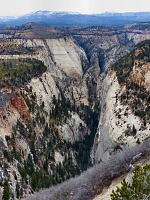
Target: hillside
{"x": 46, "y": 121}
{"x": 129, "y": 144}
{"x": 101, "y": 178}
{"x": 105, "y": 45}
{"x": 67, "y": 19}
{"x": 55, "y": 100}
{"x": 124, "y": 103}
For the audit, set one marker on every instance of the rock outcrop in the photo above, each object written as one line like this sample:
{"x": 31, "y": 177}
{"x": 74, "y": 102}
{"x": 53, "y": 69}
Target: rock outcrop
{"x": 61, "y": 95}
{"x": 124, "y": 97}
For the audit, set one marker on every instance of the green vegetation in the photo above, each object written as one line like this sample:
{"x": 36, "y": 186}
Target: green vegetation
{"x": 10, "y": 155}
{"x": 40, "y": 169}
{"x": 17, "y": 72}
{"x": 12, "y": 48}
{"x": 6, "y": 193}
{"x": 135, "y": 95}
{"x": 61, "y": 108}
{"x": 84, "y": 146}
{"x": 124, "y": 66}
{"x": 61, "y": 111}
{"x": 139, "y": 188}
{"x": 19, "y": 191}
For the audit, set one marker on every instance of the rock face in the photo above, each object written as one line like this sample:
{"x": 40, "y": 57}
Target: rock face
{"x": 8, "y": 118}
{"x": 62, "y": 55}
{"x": 46, "y": 114}
{"x": 66, "y": 62}
{"x": 115, "y": 121}
{"x": 53, "y": 114}
{"x": 67, "y": 56}
{"x": 121, "y": 122}
{"x": 44, "y": 88}
{"x": 104, "y": 46}
{"x": 74, "y": 129}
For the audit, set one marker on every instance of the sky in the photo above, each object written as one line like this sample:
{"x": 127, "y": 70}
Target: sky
{"x": 20, "y": 7}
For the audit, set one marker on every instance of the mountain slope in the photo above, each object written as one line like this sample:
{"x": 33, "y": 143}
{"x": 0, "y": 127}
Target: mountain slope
{"x": 124, "y": 99}
{"x": 123, "y": 135}
{"x": 65, "y": 19}
{"x": 46, "y": 118}
{"x": 51, "y": 89}
{"x": 104, "y": 46}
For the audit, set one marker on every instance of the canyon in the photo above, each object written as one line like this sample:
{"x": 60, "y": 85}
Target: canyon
{"x": 65, "y": 105}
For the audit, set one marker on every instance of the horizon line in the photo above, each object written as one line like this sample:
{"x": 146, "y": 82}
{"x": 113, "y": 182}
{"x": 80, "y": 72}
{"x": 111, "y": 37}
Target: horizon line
{"x": 72, "y": 12}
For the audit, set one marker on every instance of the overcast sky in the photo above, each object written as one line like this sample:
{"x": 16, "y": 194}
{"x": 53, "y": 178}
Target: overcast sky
{"x": 19, "y": 7}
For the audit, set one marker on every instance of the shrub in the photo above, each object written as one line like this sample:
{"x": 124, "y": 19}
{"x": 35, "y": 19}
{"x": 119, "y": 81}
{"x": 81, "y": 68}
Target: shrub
{"x": 139, "y": 188}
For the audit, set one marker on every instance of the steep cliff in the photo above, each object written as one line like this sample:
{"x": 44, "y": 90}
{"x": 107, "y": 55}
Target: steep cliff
{"x": 104, "y": 46}
{"x": 124, "y": 102}
{"x": 46, "y": 113}
{"x": 54, "y": 89}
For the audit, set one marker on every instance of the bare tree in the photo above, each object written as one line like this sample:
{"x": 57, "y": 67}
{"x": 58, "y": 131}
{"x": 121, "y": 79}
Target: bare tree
{"x": 94, "y": 179}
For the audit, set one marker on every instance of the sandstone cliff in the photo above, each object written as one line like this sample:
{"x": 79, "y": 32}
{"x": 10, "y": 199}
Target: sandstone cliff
{"x": 124, "y": 119}
{"x": 57, "y": 95}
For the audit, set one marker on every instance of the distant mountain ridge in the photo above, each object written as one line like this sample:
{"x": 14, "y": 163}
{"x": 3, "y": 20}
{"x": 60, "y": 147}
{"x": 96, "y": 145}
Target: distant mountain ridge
{"x": 63, "y": 19}
{"x": 126, "y": 14}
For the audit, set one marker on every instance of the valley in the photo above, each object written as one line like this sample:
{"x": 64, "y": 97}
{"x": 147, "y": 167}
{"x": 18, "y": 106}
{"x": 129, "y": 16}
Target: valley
{"x": 71, "y": 99}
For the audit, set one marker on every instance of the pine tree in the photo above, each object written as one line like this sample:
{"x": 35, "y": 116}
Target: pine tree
{"x": 138, "y": 189}
{"x": 6, "y": 194}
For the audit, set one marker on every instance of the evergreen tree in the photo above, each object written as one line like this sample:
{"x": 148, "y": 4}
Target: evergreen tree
{"x": 18, "y": 191}
{"x": 139, "y": 188}
{"x": 6, "y": 194}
